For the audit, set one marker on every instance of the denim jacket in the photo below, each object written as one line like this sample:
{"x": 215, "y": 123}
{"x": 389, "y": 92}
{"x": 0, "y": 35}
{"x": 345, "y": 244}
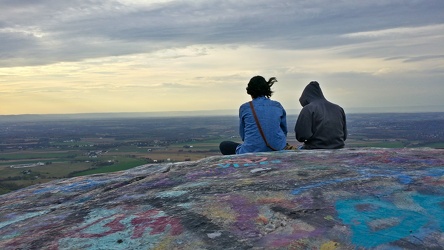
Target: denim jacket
{"x": 273, "y": 120}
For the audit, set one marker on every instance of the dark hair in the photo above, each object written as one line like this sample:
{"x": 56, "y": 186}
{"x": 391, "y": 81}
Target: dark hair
{"x": 259, "y": 87}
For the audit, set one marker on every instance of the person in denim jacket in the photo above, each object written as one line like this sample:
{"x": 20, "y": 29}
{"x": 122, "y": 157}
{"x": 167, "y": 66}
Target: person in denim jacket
{"x": 271, "y": 116}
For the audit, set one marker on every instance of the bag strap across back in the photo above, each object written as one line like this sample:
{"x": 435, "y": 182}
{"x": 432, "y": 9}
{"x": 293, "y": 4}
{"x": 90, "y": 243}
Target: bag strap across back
{"x": 259, "y": 126}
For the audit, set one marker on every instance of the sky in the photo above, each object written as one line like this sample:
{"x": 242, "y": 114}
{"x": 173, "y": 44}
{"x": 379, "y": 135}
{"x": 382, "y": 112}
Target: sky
{"x": 94, "y": 56}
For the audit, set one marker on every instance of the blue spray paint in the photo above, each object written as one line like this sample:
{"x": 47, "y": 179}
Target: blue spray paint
{"x": 73, "y": 187}
{"x": 363, "y": 174}
{"x": 320, "y": 184}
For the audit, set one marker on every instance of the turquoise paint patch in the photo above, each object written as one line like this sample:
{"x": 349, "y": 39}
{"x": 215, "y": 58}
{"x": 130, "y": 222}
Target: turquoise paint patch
{"x": 434, "y": 208}
{"x": 171, "y": 194}
{"x": 186, "y": 205}
{"x": 359, "y": 215}
{"x": 96, "y": 232}
{"x": 21, "y": 218}
{"x": 198, "y": 184}
{"x": 97, "y": 214}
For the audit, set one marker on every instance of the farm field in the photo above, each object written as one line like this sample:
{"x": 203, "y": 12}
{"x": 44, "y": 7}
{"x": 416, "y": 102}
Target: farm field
{"x": 27, "y": 167}
{"x": 37, "y": 151}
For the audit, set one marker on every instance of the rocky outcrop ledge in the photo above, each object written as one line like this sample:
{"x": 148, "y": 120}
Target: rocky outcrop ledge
{"x": 369, "y": 198}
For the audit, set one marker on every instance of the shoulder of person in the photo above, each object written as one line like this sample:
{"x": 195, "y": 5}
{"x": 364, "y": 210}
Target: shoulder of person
{"x": 275, "y": 102}
{"x": 336, "y": 105}
{"x": 244, "y": 106}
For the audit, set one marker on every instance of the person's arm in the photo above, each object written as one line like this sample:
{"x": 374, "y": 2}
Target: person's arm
{"x": 345, "y": 125}
{"x": 284, "y": 122}
{"x": 241, "y": 124}
{"x": 303, "y": 126}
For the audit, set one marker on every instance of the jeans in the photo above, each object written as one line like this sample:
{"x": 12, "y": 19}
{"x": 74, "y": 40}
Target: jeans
{"x": 228, "y": 147}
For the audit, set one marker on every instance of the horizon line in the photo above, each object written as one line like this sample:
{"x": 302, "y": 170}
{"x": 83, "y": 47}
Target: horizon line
{"x": 224, "y": 112}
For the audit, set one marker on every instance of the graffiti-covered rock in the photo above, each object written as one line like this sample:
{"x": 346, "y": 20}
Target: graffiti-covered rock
{"x": 319, "y": 199}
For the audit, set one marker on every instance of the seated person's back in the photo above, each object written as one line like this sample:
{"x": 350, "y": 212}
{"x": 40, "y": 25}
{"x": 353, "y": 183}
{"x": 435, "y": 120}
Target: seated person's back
{"x": 320, "y": 124}
{"x": 272, "y": 118}
{"x": 262, "y": 121}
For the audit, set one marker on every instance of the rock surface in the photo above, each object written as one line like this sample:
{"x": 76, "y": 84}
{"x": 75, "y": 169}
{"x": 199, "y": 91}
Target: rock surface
{"x": 342, "y": 199}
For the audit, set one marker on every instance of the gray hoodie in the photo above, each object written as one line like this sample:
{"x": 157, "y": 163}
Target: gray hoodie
{"x": 321, "y": 124}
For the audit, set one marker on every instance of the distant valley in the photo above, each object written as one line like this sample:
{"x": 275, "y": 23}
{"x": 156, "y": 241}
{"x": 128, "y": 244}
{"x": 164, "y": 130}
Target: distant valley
{"x": 37, "y": 149}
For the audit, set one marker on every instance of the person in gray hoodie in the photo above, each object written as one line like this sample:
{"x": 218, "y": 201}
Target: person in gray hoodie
{"x": 320, "y": 124}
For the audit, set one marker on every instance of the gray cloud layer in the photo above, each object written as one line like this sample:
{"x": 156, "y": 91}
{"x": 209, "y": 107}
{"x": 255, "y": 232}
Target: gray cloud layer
{"x": 36, "y": 32}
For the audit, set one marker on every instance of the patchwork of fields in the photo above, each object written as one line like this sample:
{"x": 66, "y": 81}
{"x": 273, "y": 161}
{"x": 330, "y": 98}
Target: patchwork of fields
{"x": 38, "y": 151}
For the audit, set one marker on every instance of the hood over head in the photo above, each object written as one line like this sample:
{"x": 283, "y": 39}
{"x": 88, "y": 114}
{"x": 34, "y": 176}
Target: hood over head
{"x": 311, "y": 93}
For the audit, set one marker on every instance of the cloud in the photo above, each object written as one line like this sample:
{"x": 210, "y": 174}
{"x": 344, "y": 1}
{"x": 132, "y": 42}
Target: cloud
{"x": 50, "y": 31}
{"x": 399, "y": 32}
{"x": 194, "y": 54}
{"x": 424, "y": 58}
{"x": 174, "y": 85}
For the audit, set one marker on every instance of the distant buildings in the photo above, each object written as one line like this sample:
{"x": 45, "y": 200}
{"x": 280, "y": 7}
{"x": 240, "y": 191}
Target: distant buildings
{"x": 28, "y": 165}
{"x": 95, "y": 154}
